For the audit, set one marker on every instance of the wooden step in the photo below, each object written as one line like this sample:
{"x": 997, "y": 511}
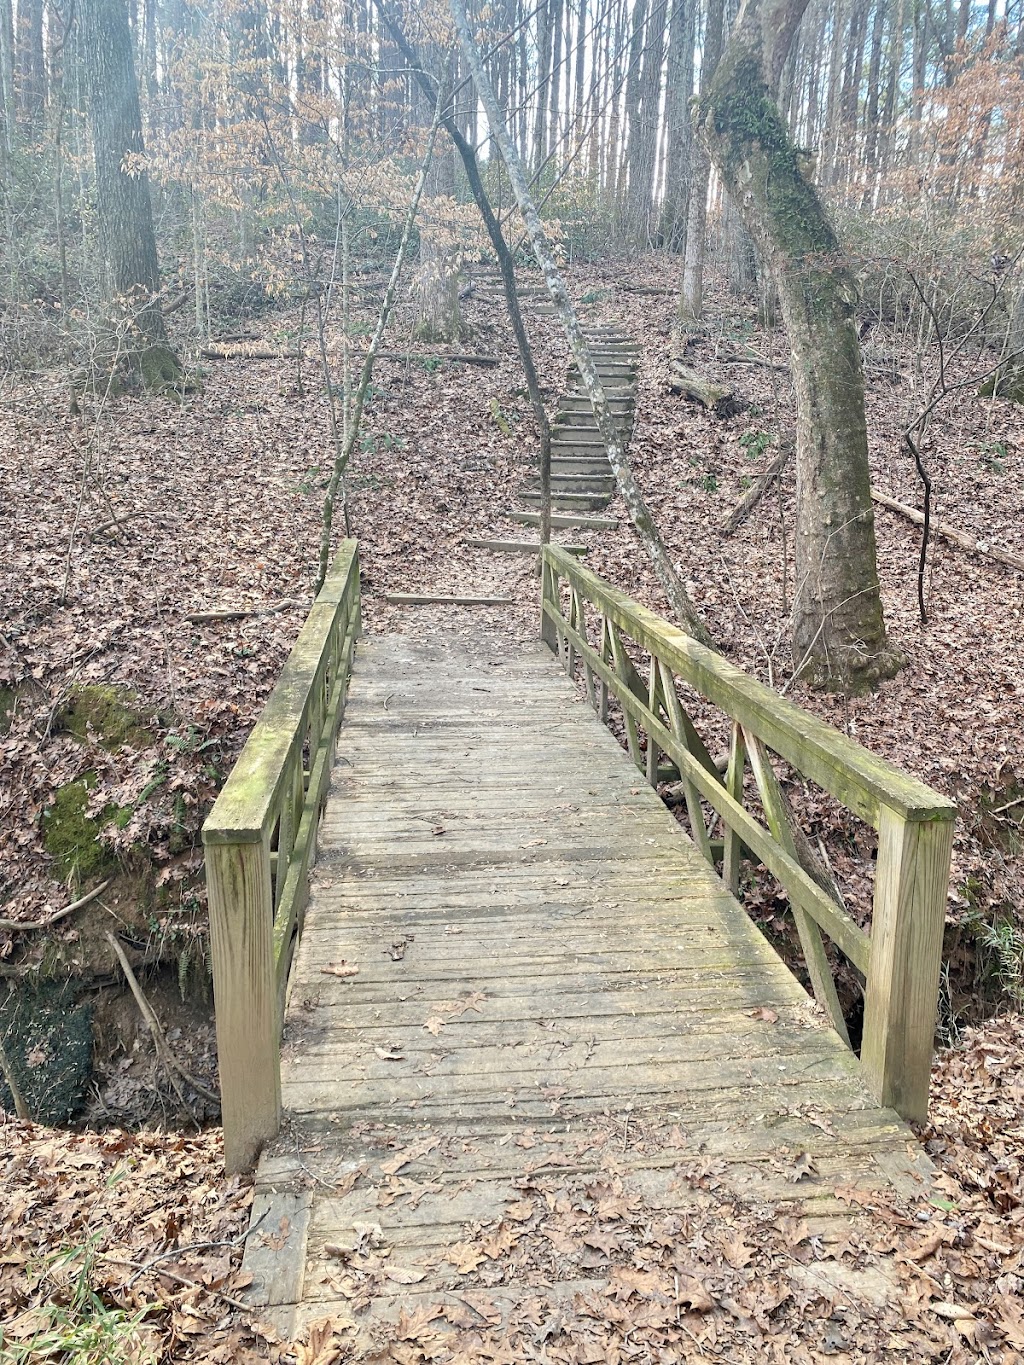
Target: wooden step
{"x": 580, "y": 520}
{"x": 568, "y": 502}
{"x": 583, "y": 431}
{"x": 520, "y": 547}
{"x": 579, "y": 483}
{"x": 593, "y": 448}
{"x": 585, "y": 465}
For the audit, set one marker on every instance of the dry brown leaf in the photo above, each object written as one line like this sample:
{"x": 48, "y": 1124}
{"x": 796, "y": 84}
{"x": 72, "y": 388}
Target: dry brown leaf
{"x": 340, "y": 969}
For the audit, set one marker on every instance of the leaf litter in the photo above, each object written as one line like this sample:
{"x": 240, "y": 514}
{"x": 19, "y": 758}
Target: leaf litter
{"x": 225, "y": 491}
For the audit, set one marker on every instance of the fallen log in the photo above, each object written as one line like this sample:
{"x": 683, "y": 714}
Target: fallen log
{"x": 950, "y": 533}
{"x": 242, "y": 352}
{"x": 716, "y": 398}
{"x": 457, "y": 357}
{"x": 756, "y": 492}
{"x": 240, "y": 613}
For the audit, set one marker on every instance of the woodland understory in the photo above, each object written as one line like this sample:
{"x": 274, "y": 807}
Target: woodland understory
{"x": 135, "y": 522}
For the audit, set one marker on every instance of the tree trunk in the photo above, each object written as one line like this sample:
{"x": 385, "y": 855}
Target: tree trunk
{"x": 678, "y": 126}
{"x": 691, "y": 295}
{"x": 838, "y": 631}
{"x": 125, "y": 215}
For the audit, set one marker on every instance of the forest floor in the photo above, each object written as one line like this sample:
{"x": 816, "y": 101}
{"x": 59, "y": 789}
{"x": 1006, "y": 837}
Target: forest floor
{"x": 136, "y": 515}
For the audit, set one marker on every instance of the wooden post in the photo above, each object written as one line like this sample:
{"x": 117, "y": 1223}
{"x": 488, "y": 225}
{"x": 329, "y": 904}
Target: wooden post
{"x": 245, "y": 997}
{"x": 548, "y": 596}
{"x": 911, "y": 880}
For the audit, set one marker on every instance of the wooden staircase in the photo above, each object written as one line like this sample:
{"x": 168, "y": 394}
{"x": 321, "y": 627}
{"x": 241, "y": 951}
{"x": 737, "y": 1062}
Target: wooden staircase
{"x": 582, "y": 482}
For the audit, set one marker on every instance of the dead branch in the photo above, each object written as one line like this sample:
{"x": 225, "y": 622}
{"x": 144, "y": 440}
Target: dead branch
{"x": 749, "y": 358}
{"x": 756, "y": 492}
{"x": 458, "y": 358}
{"x": 14, "y": 925}
{"x": 240, "y": 613}
{"x": 120, "y": 521}
{"x": 7, "y": 1071}
{"x": 719, "y": 400}
{"x": 153, "y": 1024}
{"x": 950, "y": 533}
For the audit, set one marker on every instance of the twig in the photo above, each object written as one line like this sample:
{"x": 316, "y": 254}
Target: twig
{"x": 7, "y": 1071}
{"x": 183, "y": 1279}
{"x": 232, "y": 1242}
{"x": 120, "y": 521}
{"x": 15, "y": 924}
{"x": 762, "y": 483}
{"x": 153, "y": 1024}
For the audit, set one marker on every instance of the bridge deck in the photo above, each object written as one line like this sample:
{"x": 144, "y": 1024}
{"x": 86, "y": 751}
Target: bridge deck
{"x": 519, "y": 984}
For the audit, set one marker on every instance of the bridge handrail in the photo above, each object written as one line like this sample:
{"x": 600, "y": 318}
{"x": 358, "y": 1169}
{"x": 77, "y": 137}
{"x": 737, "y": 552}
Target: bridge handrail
{"x": 260, "y": 838}
{"x": 901, "y": 957}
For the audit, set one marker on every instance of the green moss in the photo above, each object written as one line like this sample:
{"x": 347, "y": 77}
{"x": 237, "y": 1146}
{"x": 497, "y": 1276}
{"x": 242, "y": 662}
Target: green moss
{"x": 160, "y": 369}
{"x": 746, "y": 119}
{"x": 72, "y": 836}
{"x": 8, "y": 697}
{"x": 109, "y": 715}
{"x": 1006, "y": 383}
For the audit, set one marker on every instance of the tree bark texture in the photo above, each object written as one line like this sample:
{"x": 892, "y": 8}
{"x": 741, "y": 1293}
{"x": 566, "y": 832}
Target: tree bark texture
{"x": 838, "y": 632}
{"x": 122, "y": 184}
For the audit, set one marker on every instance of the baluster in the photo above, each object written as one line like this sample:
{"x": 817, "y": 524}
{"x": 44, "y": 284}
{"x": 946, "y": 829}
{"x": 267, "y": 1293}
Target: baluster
{"x": 677, "y": 718}
{"x": 734, "y": 786}
{"x": 815, "y": 956}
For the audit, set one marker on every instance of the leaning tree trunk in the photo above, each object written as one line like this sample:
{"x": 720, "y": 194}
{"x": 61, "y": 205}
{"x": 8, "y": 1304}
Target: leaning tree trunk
{"x": 838, "y": 631}
{"x": 125, "y": 214}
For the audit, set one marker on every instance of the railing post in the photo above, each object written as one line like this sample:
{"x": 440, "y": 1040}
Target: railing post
{"x": 245, "y": 997}
{"x": 548, "y": 595}
{"x": 911, "y": 881}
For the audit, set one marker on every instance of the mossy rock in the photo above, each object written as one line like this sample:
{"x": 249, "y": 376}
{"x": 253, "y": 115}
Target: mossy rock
{"x": 47, "y": 1040}
{"x": 1007, "y": 383}
{"x": 72, "y": 836}
{"x": 109, "y": 715}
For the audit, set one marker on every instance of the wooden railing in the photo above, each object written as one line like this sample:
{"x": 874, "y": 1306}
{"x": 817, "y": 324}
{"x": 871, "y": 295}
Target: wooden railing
{"x": 586, "y": 621}
{"x": 260, "y": 839}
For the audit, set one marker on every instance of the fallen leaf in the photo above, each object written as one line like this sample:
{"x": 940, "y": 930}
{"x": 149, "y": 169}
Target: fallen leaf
{"x": 341, "y": 969}
{"x": 764, "y": 1013}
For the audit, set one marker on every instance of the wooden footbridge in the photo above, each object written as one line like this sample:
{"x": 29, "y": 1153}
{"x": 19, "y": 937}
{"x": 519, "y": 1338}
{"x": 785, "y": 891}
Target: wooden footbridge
{"x": 517, "y": 982}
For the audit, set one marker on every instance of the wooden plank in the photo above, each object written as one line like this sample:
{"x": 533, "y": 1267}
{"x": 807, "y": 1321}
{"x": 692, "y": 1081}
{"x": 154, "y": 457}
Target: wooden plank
{"x": 559, "y": 519}
{"x": 440, "y": 599}
{"x": 248, "y": 799}
{"x": 518, "y": 547}
{"x": 818, "y": 967}
{"x": 245, "y": 997}
{"x": 276, "y": 1259}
